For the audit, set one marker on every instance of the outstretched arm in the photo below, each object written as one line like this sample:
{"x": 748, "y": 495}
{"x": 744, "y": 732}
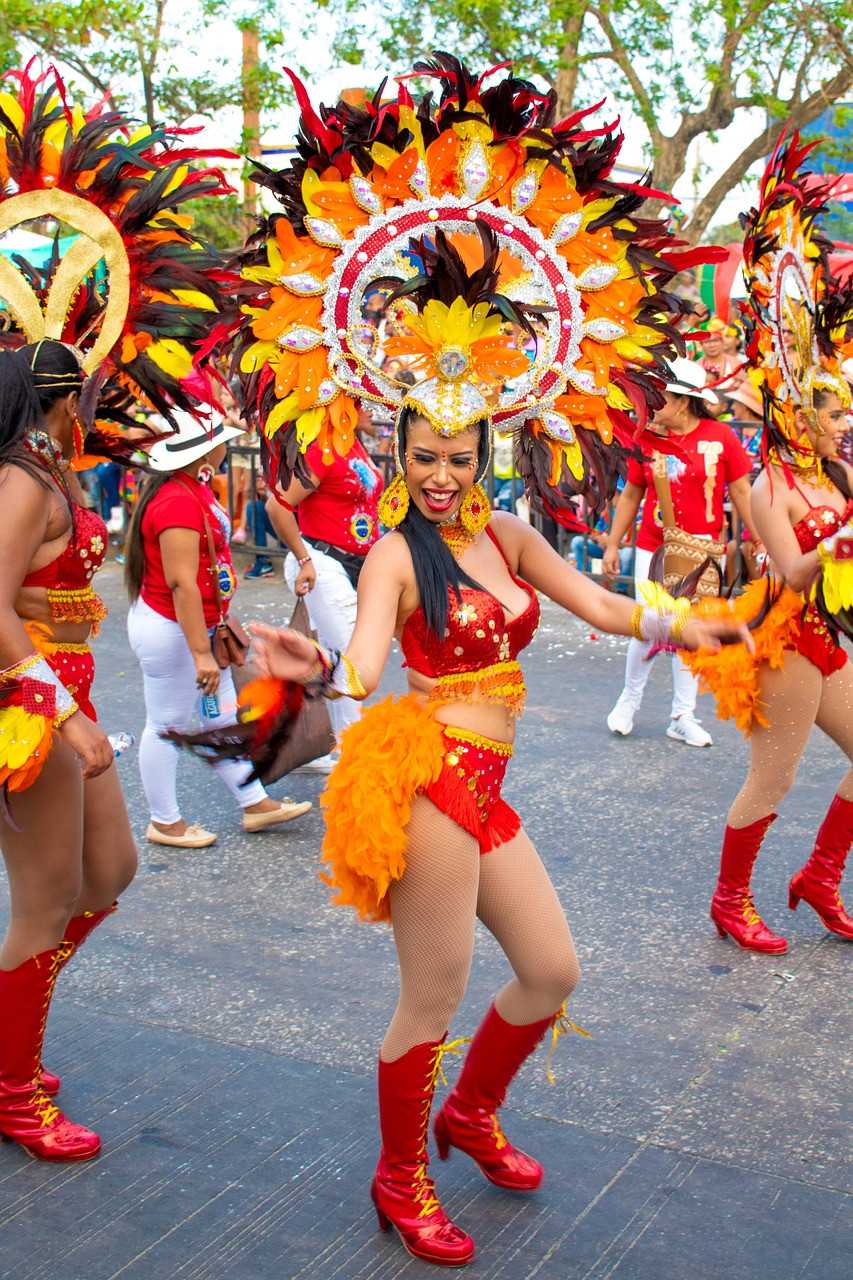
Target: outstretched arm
{"x": 288, "y": 655}
{"x": 541, "y": 566}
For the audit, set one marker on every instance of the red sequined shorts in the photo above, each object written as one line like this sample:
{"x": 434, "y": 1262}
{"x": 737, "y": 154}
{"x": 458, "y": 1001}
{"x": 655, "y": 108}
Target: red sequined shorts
{"x": 816, "y": 643}
{"x": 468, "y": 789}
{"x": 74, "y": 664}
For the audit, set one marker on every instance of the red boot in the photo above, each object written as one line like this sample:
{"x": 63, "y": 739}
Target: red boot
{"x": 468, "y": 1119}
{"x": 817, "y": 883}
{"x": 732, "y": 909}
{"x": 76, "y": 932}
{"x": 401, "y": 1191}
{"x": 27, "y": 1115}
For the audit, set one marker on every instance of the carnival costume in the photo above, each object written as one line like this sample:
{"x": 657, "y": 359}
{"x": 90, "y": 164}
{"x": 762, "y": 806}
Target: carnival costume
{"x": 468, "y": 210}
{"x": 789, "y": 283}
{"x": 133, "y": 295}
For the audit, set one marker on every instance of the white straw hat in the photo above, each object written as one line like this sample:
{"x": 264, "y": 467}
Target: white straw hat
{"x": 192, "y": 440}
{"x": 688, "y": 379}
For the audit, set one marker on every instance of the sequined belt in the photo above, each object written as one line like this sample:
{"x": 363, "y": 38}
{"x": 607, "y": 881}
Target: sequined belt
{"x": 501, "y": 683}
{"x": 77, "y": 604}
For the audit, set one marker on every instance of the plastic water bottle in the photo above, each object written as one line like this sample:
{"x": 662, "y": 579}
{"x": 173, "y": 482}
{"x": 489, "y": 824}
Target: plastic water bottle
{"x": 210, "y": 706}
{"x": 120, "y": 742}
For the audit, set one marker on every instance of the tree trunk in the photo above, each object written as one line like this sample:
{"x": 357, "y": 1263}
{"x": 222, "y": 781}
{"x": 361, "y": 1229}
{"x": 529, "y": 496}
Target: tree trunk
{"x": 567, "y": 71}
{"x": 801, "y": 114}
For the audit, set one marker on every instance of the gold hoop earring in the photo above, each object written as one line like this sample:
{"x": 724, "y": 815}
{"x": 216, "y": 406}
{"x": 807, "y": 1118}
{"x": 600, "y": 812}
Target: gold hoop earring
{"x": 394, "y": 503}
{"x": 475, "y": 511}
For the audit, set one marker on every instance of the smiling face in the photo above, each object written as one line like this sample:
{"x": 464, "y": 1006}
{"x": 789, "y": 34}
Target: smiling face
{"x": 439, "y": 472}
{"x": 832, "y": 424}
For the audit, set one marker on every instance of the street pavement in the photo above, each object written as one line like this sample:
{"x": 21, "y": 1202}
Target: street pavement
{"x": 221, "y": 1030}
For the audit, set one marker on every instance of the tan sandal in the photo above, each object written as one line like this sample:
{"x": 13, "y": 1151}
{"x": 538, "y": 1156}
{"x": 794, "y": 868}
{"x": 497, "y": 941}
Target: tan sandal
{"x": 195, "y": 837}
{"x": 287, "y": 809}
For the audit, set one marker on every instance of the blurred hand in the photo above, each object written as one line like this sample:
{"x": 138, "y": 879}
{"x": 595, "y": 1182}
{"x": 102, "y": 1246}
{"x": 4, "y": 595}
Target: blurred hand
{"x": 283, "y": 653}
{"x": 708, "y": 634}
{"x": 90, "y": 742}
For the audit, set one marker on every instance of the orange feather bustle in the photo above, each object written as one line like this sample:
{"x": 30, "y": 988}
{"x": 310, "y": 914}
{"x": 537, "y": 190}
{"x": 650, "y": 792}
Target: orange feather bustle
{"x": 733, "y": 675}
{"x": 395, "y": 750}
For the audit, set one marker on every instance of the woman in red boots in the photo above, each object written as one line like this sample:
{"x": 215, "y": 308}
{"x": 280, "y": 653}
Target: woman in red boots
{"x": 66, "y": 871}
{"x": 797, "y": 676}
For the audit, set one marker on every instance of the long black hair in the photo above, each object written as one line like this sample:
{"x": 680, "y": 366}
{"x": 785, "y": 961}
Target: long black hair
{"x": 435, "y": 568}
{"x": 134, "y": 551}
{"x": 26, "y": 395}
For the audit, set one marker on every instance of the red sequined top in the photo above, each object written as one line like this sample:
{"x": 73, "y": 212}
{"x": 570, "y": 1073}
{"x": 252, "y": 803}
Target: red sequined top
{"x": 476, "y": 660}
{"x": 77, "y": 563}
{"x": 814, "y": 640}
{"x": 819, "y": 523}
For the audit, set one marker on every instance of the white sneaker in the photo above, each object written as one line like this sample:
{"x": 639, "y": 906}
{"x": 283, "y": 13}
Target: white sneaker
{"x": 621, "y": 718}
{"x": 688, "y": 730}
{"x": 322, "y": 764}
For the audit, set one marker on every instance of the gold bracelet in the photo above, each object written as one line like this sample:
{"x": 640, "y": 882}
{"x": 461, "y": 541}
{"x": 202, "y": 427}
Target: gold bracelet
{"x": 637, "y": 621}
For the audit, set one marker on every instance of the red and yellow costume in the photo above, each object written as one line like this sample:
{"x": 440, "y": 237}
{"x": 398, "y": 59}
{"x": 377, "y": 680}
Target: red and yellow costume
{"x": 791, "y": 292}
{"x": 398, "y": 749}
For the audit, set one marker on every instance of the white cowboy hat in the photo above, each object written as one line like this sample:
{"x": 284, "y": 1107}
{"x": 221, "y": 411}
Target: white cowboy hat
{"x": 688, "y": 379}
{"x": 192, "y": 440}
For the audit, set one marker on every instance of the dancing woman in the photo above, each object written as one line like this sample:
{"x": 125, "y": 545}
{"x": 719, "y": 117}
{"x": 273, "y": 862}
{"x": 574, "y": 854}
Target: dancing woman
{"x": 797, "y": 676}
{"x": 64, "y": 876}
{"x": 136, "y": 297}
{"x": 417, "y": 831}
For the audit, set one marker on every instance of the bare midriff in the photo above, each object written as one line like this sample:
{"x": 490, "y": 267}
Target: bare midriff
{"x": 490, "y": 720}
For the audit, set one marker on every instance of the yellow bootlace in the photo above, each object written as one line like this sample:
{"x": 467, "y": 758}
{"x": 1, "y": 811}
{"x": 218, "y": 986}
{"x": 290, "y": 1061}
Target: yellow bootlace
{"x": 560, "y": 1027}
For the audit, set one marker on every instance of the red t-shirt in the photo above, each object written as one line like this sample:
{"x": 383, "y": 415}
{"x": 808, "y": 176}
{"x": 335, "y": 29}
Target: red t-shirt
{"x": 343, "y": 510}
{"x": 182, "y": 504}
{"x": 714, "y": 457}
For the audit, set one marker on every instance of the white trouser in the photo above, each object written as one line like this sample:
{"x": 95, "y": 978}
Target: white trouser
{"x": 332, "y": 605}
{"x": 171, "y": 697}
{"x": 685, "y": 686}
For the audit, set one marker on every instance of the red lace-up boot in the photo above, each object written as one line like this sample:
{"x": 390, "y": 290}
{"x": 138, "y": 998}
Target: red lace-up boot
{"x": 817, "y": 883}
{"x": 77, "y": 932}
{"x": 468, "y": 1120}
{"x": 732, "y": 908}
{"x": 27, "y": 1115}
{"x": 402, "y": 1192}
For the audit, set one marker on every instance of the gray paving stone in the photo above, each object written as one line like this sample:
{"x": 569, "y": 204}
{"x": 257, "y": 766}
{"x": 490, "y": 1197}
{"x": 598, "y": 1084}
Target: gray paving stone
{"x": 221, "y": 1030}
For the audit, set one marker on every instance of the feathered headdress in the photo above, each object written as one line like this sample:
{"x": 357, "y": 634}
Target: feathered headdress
{"x": 135, "y": 292}
{"x": 797, "y": 314}
{"x": 473, "y": 209}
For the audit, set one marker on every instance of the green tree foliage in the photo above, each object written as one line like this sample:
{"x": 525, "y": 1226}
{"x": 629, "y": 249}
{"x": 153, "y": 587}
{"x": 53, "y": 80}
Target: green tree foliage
{"x": 136, "y": 52}
{"x": 687, "y": 70}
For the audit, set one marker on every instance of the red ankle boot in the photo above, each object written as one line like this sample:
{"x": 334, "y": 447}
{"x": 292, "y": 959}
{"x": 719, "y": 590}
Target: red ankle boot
{"x": 401, "y": 1191}
{"x": 76, "y": 932}
{"x": 817, "y": 883}
{"x": 27, "y": 1115}
{"x": 468, "y": 1119}
{"x": 732, "y": 908}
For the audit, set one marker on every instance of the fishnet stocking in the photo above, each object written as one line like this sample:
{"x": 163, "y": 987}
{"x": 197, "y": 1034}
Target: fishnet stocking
{"x": 446, "y": 885}
{"x": 794, "y": 699}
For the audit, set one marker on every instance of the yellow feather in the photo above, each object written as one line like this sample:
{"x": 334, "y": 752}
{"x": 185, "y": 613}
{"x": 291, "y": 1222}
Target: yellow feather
{"x": 171, "y": 356}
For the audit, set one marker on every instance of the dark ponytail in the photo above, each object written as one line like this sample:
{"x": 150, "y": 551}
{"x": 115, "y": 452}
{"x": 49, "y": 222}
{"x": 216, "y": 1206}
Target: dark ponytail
{"x": 436, "y": 571}
{"x": 134, "y": 550}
